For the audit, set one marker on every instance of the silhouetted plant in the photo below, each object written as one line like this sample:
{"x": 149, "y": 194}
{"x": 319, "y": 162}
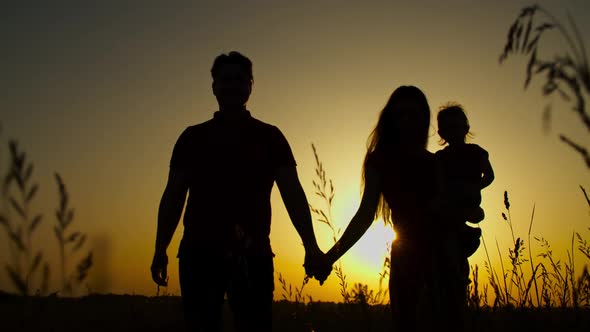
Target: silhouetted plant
{"x": 14, "y": 240}
{"x": 69, "y": 242}
{"x": 584, "y": 247}
{"x": 583, "y": 283}
{"x": 324, "y": 215}
{"x": 18, "y": 192}
{"x": 301, "y": 305}
{"x": 567, "y": 74}
{"x": 364, "y": 298}
{"x": 474, "y": 300}
{"x": 583, "y": 287}
{"x": 20, "y": 229}
{"x": 294, "y": 294}
{"x": 517, "y": 258}
{"x": 554, "y": 282}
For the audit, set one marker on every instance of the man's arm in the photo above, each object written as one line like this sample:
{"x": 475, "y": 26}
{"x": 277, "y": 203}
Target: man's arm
{"x": 169, "y": 213}
{"x": 297, "y": 205}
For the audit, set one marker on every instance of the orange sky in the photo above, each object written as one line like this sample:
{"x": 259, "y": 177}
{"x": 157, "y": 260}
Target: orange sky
{"x": 101, "y": 93}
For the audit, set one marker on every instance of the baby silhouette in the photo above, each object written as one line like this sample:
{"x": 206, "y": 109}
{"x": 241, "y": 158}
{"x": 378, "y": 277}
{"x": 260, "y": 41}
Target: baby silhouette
{"x": 463, "y": 170}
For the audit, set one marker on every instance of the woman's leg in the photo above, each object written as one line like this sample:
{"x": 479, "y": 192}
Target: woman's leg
{"x": 453, "y": 272}
{"x": 405, "y": 288}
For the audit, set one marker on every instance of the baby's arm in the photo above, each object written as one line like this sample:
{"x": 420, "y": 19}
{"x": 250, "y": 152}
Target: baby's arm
{"x": 488, "y": 173}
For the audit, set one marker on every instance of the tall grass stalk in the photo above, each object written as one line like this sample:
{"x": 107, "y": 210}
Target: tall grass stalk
{"x": 507, "y": 297}
{"x": 534, "y": 269}
{"x": 324, "y": 189}
{"x": 515, "y": 255}
{"x": 28, "y": 261}
{"x": 6, "y": 215}
{"x": 570, "y": 256}
{"x": 20, "y": 230}
{"x": 567, "y": 74}
{"x": 69, "y": 242}
{"x": 295, "y": 295}
{"x": 493, "y": 275}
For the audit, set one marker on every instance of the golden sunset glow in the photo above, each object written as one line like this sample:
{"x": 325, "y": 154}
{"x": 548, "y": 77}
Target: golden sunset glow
{"x": 101, "y": 95}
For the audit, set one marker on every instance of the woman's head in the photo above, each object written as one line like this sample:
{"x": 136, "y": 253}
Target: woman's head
{"x": 403, "y": 122}
{"x": 403, "y": 125}
{"x": 453, "y": 125}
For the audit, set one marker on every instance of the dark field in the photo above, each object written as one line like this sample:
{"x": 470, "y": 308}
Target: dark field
{"x": 139, "y": 313}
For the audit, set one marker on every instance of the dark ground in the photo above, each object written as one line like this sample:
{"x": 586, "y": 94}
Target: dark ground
{"x": 139, "y": 313}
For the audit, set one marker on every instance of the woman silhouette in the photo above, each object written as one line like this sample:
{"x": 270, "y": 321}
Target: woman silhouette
{"x": 399, "y": 186}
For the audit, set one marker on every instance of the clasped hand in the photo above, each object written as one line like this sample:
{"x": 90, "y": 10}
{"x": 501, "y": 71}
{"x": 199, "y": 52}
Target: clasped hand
{"x": 317, "y": 265}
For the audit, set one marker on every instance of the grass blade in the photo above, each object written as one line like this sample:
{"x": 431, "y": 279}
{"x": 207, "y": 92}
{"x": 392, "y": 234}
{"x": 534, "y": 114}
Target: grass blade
{"x": 16, "y": 279}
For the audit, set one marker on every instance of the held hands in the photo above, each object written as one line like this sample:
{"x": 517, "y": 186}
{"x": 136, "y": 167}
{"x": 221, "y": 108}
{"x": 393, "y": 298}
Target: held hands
{"x": 159, "y": 268}
{"x": 317, "y": 264}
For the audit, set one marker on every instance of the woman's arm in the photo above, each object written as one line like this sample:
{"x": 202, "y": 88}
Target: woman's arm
{"x": 362, "y": 219}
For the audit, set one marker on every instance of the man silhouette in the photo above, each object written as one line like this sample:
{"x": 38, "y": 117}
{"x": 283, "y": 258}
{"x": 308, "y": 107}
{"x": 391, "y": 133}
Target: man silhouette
{"x": 229, "y": 165}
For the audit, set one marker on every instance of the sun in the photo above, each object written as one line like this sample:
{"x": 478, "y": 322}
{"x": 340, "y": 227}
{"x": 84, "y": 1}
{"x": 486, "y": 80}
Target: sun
{"x": 370, "y": 251}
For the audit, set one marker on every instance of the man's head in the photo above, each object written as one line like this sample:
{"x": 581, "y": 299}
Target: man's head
{"x": 232, "y": 80}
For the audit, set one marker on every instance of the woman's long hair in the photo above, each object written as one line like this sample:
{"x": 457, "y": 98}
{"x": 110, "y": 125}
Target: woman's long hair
{"x": 403, "y": 124}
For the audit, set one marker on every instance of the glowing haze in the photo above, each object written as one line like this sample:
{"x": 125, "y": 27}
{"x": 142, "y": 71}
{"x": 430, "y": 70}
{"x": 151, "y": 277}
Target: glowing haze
{"x": 101, "y": 92}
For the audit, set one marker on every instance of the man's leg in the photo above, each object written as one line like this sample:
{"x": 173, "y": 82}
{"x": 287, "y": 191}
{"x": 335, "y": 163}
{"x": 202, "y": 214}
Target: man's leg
{"x": 202, "y": 287}
{"x": 250, "y": 293}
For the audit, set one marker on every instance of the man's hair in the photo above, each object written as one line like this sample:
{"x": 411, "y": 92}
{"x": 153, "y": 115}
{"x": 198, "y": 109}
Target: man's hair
{"x": 232, "y": 57}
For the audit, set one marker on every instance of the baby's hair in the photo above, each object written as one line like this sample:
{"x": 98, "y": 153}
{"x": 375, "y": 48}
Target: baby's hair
{"x": 450, "y": 109}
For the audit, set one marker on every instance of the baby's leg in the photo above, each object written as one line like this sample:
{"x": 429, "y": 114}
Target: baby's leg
{"x": 474, "y": 214}
{"x": 472, "y": 210}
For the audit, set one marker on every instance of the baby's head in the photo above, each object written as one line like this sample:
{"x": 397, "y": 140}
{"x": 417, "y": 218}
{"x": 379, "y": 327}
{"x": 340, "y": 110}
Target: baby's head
{"x": 453, "y": 126}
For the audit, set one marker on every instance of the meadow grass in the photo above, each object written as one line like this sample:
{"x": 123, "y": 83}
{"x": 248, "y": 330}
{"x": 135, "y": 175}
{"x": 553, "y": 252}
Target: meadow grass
{"x": 548, "y": 283}
{"x": 553, "y": 282}
{"x": 29, "y": 269}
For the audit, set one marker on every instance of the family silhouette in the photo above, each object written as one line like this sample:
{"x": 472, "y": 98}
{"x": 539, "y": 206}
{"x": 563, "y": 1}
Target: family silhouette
{"x": 229, "y": 164}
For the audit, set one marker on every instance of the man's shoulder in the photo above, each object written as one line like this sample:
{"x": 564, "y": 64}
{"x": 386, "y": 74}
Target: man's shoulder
{"x": 199, "y": 127}
{"x": 266, "y": 129}
{"x": 263, "y": 125}
{"x": 202, "y": 125}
